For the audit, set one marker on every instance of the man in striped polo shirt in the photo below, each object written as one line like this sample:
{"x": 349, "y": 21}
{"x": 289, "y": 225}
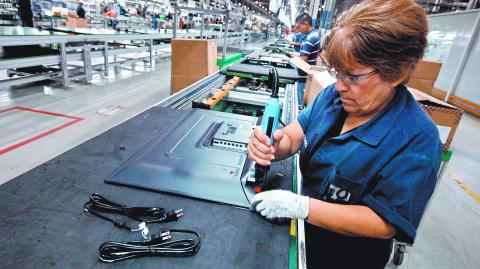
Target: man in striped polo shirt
{"x": 308, "y": 50}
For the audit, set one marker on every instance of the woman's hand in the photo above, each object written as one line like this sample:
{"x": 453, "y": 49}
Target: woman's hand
{"x": 287, "y": 141}
{"x": 259, "y": 149}
{"x": 280, "y": 204}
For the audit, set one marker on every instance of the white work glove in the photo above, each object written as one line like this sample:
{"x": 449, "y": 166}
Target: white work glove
{"x": 280, "y": 204}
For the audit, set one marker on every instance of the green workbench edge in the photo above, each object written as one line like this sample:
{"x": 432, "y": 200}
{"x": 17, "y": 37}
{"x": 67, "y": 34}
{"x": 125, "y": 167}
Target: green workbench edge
{"x": 53, "y": 17}
{"x": 292, "y": 259}
{"x": 221, "y": 63}
{"x": 446, "y": 155}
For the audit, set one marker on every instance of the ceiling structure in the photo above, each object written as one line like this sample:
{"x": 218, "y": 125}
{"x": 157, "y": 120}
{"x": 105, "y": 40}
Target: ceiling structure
{"x": 259, "y": 6}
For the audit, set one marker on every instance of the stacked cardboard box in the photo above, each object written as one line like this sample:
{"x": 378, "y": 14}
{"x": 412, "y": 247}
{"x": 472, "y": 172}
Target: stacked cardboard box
{"x": 74, "y": 22}
{"x": 445, "y": 116}
{"x": 317, "y": 79}
{"x": 425, "y": 75}
{"x": 192, "y": 60}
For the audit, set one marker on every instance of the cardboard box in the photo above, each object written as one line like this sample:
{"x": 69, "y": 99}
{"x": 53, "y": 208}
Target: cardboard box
{"x": 316, "y": 82}
{"x": 76, "y": 22}
{"x": 180, "y": 82}
{"x": 425, "y": 86}
{"x": 304, "y": 66}
{"x": 194, "y": 57}
{"x": 427, "y": 70}
{"x": 72, "y": 13}
{"x": 300, "y": 64}
{"x": 317, "y": 79}
{"x": 57, "y": 11}
{"x": 445, "y": 116}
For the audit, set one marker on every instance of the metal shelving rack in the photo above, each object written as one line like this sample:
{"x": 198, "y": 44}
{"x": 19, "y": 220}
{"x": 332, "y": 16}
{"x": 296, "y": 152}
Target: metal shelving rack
{"x": 202, "y": 12}
{"x": 442, "y": 6}
{"x": 7, "y": 13}
{"x": 79, "y": 47}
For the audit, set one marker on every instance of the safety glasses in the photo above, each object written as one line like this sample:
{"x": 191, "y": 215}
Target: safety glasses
{"x": 350, "y": 79}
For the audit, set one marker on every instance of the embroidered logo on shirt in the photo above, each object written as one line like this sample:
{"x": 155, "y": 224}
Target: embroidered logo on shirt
{"x": 338, "y": 194}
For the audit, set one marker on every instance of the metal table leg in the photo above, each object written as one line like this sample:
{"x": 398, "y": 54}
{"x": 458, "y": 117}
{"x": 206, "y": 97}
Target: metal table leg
{"x": 225, "y": 36}
{"x": 202, "y": 26}
{"x": 87, "y": 63}
{"x": 150, "y": 49}
{"x": 63, "y": 64}
{"x": 175, "y": 22}
{"x": 105, "y": 59}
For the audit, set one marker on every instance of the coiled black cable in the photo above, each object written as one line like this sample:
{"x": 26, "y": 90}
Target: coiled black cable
{"x": 159, "y": 245}
{"x": 98, "y": 206}
{"x": 143, "y": 214}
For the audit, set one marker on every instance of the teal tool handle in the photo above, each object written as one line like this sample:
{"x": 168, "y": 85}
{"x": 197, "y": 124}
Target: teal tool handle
{"x": 271, "y": 117}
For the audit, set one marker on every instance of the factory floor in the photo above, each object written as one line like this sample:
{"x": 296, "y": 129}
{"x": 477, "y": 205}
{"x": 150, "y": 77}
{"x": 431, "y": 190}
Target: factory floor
{"x": 41, "y": 121}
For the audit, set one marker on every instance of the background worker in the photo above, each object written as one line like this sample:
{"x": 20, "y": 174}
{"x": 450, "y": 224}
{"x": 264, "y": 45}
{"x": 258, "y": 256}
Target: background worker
{"x": 308, "y": 50}
{"x": 110, "y": 13}
{"x": 369, "y": 155}
{"x": 80, "y": 10}
{"x": 154, "y": 20}
{"x": 297, "y": 41}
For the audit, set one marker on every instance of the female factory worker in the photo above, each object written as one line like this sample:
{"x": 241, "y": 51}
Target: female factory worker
{"x": 369, "y": 155}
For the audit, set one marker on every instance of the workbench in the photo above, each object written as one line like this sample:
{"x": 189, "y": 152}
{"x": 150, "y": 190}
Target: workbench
{"x": 43, "y": 223}
{"x": 24, "y": 36}
{"x": 249, "y": 70}
{"x": 80, "y": 44}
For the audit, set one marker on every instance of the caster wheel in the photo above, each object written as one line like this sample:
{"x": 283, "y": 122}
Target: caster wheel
{"x": 398, "y": 256}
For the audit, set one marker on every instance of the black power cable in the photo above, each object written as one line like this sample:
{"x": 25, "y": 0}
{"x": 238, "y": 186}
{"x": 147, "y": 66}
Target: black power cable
{"x": 142, "y": 214}
{"x": 159, "y": 245}
{"x": 99, "y": 205}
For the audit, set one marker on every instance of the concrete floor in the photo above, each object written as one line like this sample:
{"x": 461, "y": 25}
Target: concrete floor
{"x": 447, "y": 237}
{"x": 102, "y": 105}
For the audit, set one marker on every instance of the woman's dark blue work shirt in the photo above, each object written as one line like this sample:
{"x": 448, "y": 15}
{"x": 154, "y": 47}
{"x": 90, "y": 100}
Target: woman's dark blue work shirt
{"x": 389, "y": 164}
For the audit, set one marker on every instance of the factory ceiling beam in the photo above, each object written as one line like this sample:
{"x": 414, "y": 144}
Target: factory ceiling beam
{"x": 443, "y": 4}
{"x": 259, "y": 9}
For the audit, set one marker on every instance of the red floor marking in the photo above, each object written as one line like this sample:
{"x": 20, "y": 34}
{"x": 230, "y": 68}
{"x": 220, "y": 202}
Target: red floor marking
{"x": 24, "y": 142}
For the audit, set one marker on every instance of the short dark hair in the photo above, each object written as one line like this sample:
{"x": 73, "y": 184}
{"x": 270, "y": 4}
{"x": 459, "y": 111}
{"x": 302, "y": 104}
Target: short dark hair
{"x": 388, "y": 35}
{"x": 303, "y": 18}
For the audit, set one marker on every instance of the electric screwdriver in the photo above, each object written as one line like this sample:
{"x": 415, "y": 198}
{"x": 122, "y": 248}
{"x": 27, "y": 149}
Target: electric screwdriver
{"x": 271, "y": 117}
